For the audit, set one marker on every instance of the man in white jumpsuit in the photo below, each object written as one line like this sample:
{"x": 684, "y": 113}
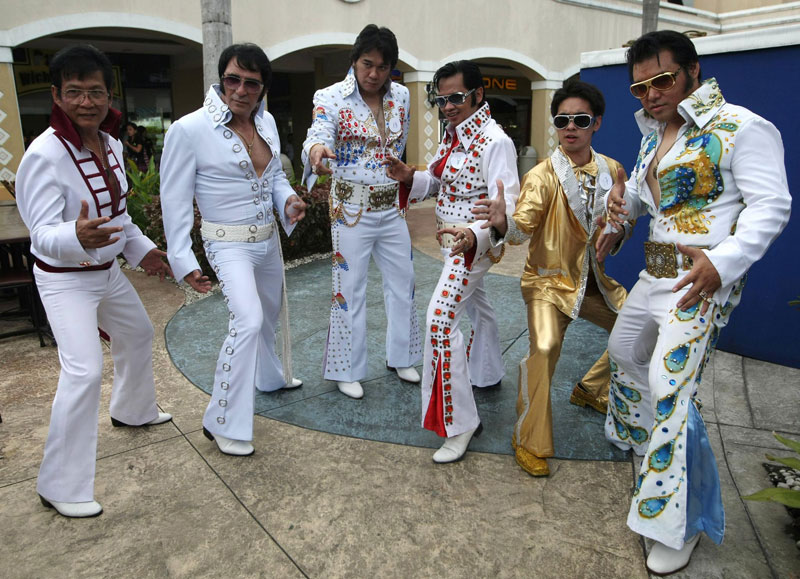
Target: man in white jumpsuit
{"x": 71, "y": 192}
{"x": 226, "y": 156}
{"x": 358, "y": 123}
{"x": 712, "y": 177}
{"x": 476, "y": 160}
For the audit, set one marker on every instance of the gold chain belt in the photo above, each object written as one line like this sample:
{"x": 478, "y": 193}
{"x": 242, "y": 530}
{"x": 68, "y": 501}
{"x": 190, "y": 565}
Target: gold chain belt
{"x": 661, "y": 259}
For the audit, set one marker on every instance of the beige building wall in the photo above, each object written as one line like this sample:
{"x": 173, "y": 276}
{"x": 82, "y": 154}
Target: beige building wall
{"x": 11, "y": 139}
{"x": 541, "y": 40}
{"x": 721, "y": 6}
{"x": 543, "y": 37}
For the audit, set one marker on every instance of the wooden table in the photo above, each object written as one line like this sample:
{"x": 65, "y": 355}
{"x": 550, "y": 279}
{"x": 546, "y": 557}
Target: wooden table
{"x": 16, "y": 262}
{"x": 12, "y": 228}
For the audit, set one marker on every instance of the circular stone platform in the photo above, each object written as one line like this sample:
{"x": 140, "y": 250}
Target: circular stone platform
{"x": 390, "y": 410}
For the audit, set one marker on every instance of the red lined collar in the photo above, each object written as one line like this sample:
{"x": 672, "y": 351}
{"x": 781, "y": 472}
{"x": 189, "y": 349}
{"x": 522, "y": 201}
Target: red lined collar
{"x": 64, "y": 127}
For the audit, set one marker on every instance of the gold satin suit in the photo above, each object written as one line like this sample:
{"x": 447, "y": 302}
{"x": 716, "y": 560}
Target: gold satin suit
{"x": 556, "y": 290}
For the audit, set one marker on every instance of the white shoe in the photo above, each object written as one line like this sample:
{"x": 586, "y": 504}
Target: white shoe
{"x": 160, "y": 419}
{"x": 296, "y": 383}
{"x": 351, "y": 389}
{"x": 665, "y": 560}
{"x": 409, "y": 374}
{"x": 74, "y": 510}
{"x": 455, "y": 447}
{"x": 230, "y": 446}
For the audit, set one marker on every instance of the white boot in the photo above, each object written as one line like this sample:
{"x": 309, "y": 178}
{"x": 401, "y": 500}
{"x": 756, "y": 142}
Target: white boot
{"x": 73, "y": 510}
{"x": 296, "y": 383}
{"x": 455, "y": 447}
{"x": 665, "y": 560}
{"x": 160, "y": 419}
{"x": 409, "y": 374}
{"x": 351, "y": 389}
{"x": 229, "y": 445}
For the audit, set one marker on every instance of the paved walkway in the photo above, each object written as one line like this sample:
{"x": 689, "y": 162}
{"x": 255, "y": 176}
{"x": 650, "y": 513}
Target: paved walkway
{"x": 312, "y": 504}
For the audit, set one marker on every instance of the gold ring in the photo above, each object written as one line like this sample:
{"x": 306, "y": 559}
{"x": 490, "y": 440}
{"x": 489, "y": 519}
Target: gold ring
{"x": 703, "y": 294}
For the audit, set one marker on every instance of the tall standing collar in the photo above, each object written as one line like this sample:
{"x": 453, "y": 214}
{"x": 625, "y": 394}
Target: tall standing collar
{"x": 350, "y": 85}
{"x": 64, "y": 127}
{"x": 473, "y": 125}
{"x": 699, "y": 107}
{"x": 217, "y": 111}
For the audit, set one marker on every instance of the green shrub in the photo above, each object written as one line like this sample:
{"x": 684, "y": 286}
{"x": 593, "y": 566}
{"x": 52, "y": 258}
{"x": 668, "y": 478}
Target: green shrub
{"x": 313, "y": 234}
{"x": 788, "y": 497}
{"x": 142, "y": 189}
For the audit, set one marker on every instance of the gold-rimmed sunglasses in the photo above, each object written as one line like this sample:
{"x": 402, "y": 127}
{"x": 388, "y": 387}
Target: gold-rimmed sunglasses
{"x": 661, "y": 82}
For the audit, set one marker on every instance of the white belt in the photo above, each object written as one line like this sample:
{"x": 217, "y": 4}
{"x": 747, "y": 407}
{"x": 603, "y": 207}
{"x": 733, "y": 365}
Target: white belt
{"x": 247, "y": 233}
{"x": 377, "y": 197}
{"x": 447, "y": 241}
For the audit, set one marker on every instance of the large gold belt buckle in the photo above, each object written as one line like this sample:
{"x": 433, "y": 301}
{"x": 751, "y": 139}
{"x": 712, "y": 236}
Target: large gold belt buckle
{"x": 382, "y": 197}
{"x": 344, "y": 190}
{"x": 660, "y": 259}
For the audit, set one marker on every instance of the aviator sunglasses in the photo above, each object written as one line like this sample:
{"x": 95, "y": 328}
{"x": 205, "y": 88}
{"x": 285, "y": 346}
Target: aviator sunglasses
{"x": 661, "y": 82}
{"x": 251, "y": 85}
{"x": 456, "y": 98}
{"x": 582, "y": 121}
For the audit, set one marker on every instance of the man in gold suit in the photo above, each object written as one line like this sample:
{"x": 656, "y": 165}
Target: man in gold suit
{"x": 558, "y": 209}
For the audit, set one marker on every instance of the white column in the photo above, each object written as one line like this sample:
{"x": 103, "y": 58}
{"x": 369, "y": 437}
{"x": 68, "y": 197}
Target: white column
{"x": 217, "y": 36}
{"x": 423, "y": 135}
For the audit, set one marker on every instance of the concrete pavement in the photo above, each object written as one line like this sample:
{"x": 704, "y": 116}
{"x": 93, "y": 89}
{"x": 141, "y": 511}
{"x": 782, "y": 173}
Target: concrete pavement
{"x": 312, "y": 504}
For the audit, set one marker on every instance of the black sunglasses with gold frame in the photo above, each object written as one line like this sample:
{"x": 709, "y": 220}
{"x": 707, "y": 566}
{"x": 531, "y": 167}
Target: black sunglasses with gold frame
{"x": 661, "y": 82}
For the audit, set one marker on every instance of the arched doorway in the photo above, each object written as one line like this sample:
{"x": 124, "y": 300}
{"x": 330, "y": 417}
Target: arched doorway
{"x": 157, "y": 76}
{"x": 298, "y": 74}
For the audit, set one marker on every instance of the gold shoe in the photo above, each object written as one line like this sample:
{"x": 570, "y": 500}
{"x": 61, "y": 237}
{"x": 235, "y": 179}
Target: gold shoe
{"x": 514, "y": 441}
{"x": 531, "y": 463}
{"x": 580, "y": 397}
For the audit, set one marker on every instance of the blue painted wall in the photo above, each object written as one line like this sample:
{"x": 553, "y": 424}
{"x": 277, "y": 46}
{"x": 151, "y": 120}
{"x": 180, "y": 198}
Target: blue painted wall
{"x": 767, "y": 82}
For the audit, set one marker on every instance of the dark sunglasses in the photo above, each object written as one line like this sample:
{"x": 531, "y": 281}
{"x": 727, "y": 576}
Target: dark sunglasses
{"x": 661, "y": 82}
{"x": 582, "y": 121}
{"x": 456, "y": 98}
{"x": 233, "y": 81}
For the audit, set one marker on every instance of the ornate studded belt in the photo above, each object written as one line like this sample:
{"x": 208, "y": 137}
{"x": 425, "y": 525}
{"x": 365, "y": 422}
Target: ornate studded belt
{"x": 447, "y": 241}
{"x": 374, "y": 197}
{"x": 246, "y": 233}
{"x": 661, "y": 259}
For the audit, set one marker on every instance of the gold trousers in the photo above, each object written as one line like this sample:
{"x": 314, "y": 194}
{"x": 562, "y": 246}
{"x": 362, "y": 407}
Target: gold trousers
{"x": 547, "y": 326}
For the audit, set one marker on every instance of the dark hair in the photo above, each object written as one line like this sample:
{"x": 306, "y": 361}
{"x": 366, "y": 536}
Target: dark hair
{"x": 80, "y": 61}
{"x": 651, "y": 44}
{"x": 250, "y": 57}
{"x": 373, "y": 38}
{"x": 582, "y": 90}
{"x": 471, "y": 73}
